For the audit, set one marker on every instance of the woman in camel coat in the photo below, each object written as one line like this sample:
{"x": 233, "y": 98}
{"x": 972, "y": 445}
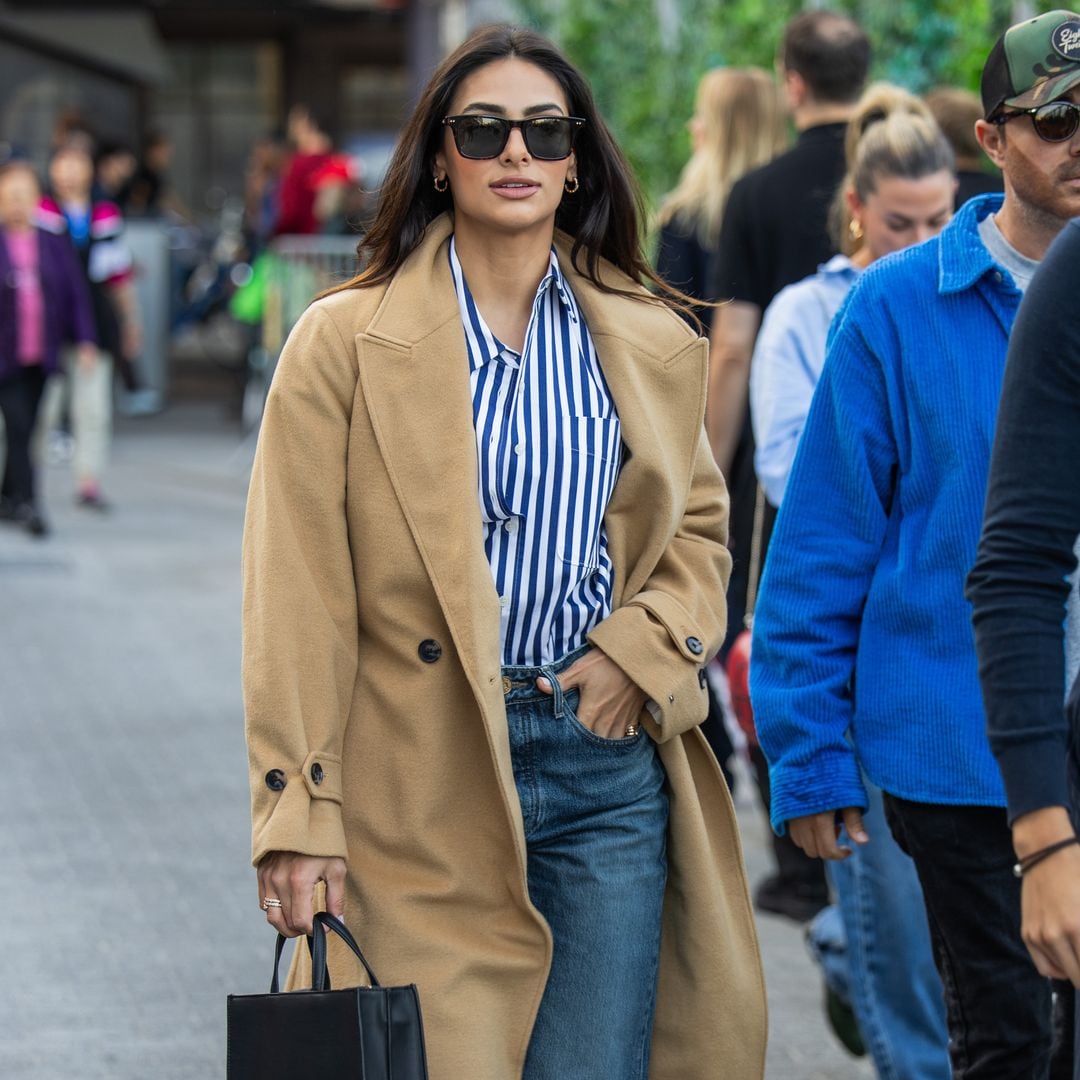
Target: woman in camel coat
{"x": 498, "y": 813}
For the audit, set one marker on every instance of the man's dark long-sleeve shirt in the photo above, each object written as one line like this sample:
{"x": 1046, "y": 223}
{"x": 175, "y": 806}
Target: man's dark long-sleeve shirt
{"x": 1019, "y": 585}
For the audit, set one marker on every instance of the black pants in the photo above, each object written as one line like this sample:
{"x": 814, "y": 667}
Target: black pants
{"x": 999, "y": 1006}
{"x": 20, "y": 396}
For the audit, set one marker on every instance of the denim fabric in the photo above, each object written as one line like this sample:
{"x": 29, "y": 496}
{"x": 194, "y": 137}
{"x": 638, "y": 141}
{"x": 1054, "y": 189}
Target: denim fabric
{"x": 827, "y": 941}
{"x": 595, "y": 812}
{"x": 895, "y": 989}
{"x": 999, "y": 1006}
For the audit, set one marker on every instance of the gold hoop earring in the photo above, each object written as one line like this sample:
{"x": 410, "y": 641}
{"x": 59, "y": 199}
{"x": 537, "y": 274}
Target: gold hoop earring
{"x": 855, "y": 230}
{"x": 570, "y": 190}
{"x": 445, "y": 184}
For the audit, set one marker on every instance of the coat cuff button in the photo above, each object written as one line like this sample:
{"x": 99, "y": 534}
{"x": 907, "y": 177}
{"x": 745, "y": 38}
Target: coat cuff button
{"x": 317, "y": 773}
{"x": 430, "y": 651}
{"x": 695, "y": 646}
{"x": 275, "y": 780}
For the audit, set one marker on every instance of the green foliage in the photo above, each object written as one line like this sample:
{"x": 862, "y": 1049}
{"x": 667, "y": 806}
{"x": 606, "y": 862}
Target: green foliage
{"x": 644, "y": 57}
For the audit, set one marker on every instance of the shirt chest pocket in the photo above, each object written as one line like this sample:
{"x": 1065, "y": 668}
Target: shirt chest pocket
{"x": 582, "y": 464}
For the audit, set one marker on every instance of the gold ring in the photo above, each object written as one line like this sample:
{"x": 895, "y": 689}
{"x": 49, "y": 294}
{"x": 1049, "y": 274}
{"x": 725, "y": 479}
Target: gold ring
{"x": 269, "y": 902}
{"x": 631, "y": 731}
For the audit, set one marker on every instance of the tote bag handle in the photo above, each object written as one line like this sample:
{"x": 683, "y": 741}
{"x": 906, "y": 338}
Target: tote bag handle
{"x": 320, "y": 976}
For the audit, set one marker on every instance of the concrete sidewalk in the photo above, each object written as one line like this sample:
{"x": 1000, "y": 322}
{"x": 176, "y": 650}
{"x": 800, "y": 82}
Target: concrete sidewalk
{"x": 130, "y": 907}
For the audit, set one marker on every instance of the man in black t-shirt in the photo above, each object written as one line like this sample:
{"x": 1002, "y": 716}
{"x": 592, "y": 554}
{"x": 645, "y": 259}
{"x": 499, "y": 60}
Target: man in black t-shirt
{"x": 775, "y": 232}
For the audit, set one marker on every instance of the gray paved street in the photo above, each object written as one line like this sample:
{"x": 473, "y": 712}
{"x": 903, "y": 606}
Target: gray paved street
{"x": 129, "y": 907}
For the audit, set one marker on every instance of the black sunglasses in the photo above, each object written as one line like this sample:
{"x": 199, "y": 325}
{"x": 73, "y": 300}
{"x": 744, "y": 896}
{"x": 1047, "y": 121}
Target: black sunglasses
{"x": 548, "y": 138}
{"x": 1055, "y": 121}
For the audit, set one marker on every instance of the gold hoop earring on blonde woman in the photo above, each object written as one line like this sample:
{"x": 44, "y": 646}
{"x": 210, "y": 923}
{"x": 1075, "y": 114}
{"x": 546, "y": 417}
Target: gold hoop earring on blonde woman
{"x": 855, "y": 230}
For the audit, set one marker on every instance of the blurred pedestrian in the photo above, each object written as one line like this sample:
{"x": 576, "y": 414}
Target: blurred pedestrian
{"x": 95, "y": 227}
{"x": 957, "y": 112}
{"x": 738, "y": 124}
{"x": 313, "y": 188}
{"x": 43, "y": 304}
{"x": 863, "y": 654}
{"x": 774, "y": 233}
{"x": 898, "y": 191}
{"x": 71, "y": 127}
{"x": 114, "y": 167}
{"x": 475, "y": 630}
{"x": 149, "y": 193}
{"x": 262, "y": 188}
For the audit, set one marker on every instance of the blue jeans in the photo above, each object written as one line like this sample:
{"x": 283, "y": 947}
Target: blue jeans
{"x": 895, "y": 988}
{"x": 595, "y": 813}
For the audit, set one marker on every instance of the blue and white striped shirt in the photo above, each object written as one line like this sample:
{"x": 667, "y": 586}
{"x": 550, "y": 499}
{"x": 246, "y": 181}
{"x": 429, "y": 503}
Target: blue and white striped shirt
{"x": 549, "y": 448}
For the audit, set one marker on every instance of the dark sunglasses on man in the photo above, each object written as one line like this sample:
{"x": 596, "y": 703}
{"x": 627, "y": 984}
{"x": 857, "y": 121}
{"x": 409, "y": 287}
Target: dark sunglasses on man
{"x": 547, "y": 138}
{"x": 1055, "y": 121}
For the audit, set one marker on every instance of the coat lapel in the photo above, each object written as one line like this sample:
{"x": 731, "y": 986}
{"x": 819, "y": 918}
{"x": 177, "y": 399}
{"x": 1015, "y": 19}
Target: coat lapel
{"x": 415, "y": 380}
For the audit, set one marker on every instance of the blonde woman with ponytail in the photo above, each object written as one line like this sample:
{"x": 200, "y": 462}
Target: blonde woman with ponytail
{"x": 738, "y": 124}
{"x": 898, "y": 191}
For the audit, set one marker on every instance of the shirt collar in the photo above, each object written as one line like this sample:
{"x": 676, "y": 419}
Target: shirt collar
{"x": 486, "y": 346}
{"x": 840, "y": 265}
{"x": 963, "y": 257}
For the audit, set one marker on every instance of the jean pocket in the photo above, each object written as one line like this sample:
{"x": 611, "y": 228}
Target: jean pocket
{"x": 571, "y": 699}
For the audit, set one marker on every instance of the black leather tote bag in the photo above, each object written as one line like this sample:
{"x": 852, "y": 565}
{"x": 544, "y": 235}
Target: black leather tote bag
{"x": 362, "y": 1033}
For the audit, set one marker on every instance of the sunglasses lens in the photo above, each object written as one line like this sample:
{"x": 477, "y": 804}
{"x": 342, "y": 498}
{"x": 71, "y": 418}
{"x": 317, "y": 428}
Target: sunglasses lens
{"x": 1057, "y": 121}
{"x": 549, "y": 138}
{"x": 480, "y": 136}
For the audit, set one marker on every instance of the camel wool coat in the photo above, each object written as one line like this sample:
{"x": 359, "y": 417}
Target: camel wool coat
{"x": 374, "y": 706}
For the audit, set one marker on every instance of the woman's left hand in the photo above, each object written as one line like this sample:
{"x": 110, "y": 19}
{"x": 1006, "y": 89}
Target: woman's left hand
{"x": 610, "y": 702}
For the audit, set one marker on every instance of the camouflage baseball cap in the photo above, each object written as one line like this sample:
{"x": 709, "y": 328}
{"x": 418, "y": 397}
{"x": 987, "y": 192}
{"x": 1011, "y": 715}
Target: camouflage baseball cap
{"x": 1033, "y": 62}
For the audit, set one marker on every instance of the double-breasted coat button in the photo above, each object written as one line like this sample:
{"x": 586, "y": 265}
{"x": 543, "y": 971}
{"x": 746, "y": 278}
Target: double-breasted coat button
{"x": 275, "y": 780}
{"x": 430, "y": 651}
{"x": 695, "y": 646}
{"x": 316, "y": 773}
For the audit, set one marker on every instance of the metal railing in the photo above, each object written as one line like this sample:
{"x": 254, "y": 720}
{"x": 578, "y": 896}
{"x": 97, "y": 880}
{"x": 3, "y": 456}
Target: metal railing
{"x": 299, "y": 269}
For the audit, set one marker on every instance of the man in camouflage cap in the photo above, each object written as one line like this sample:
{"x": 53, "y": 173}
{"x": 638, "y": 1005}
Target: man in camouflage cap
{"x": 877, "y": 533}
{"x": 1032, "y": 63}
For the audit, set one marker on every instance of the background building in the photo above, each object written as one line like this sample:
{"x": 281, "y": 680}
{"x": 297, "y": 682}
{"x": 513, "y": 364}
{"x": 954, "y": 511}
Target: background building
{"x": 214, "y": 75}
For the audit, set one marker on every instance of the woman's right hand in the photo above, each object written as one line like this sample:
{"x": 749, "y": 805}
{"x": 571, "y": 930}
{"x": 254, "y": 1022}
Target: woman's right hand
{"x": 291, "y": 878}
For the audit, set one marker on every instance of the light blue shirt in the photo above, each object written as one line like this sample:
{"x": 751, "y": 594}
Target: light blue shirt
{"x": 549, "y": 448}
{"x": 788, "y": 359}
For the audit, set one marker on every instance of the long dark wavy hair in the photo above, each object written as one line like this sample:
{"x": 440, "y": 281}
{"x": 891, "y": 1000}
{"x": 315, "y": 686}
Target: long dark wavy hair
{"x": 604, "y": 216}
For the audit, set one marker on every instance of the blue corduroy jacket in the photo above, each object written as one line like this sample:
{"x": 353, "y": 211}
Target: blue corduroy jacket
{"x": 863, "y": 650}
